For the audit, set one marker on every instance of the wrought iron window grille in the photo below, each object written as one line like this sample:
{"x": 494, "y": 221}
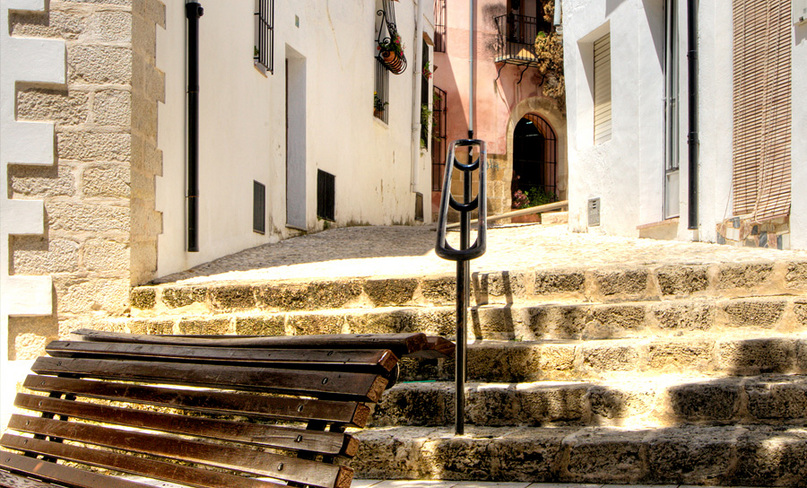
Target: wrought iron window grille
{"x": 439, "y": 132}
{"x": 264, "y": 35}
{"x": 390, "y": 45}
{"x": 440, "y": 31}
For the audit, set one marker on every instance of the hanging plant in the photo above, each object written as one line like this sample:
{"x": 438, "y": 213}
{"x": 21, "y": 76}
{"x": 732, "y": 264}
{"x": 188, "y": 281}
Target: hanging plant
{"x": 391, "y": 54}
{"x": 427, "y": 71}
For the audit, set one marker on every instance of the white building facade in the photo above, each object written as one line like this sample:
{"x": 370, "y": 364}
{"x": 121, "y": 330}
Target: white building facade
{"x": 682, "y": 119}
{"x": 100, "y": 108}
{"x": 280, "y": 127}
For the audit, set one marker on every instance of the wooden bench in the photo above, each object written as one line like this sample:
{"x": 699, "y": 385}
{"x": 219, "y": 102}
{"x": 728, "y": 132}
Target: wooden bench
{"x": 124, "y": 411}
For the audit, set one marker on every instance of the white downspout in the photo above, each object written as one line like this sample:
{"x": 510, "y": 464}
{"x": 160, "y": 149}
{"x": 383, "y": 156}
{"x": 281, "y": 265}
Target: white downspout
{"x": 416, "y": 84}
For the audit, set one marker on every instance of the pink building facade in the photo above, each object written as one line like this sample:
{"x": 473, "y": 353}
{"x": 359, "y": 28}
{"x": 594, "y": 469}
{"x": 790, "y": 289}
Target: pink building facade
{"x": 515, "y": 105}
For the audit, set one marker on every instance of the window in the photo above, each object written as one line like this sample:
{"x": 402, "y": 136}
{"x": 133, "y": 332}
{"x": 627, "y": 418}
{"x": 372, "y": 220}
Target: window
{"x": 439, "y": 26}
{"x": 438, "y": 138}
{"x": 381, "y": 83}
{"x": 602, "y": 89}
{"x": 258, "y": 207}
{"x": 425, "y": 95}
{"x": 264, "y": 35}
{"x": 326, "y": 195}
{"x": 381, "y": 95}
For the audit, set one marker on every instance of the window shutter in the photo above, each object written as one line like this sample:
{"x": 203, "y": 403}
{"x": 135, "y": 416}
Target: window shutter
{"x": 762, "y": 108}
{"x": 602, "y": 89}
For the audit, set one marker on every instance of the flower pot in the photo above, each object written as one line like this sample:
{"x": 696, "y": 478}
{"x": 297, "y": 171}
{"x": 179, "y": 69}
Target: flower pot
{"x": 394, "y": 61}
{"x": 526, "y": 219}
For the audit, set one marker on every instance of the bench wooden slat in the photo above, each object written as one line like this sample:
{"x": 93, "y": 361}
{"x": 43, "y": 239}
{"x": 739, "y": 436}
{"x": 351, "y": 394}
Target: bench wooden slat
{"x": 350, "y": 413}
{"x": 328, "y": 359}
{"x": 361, "y": 386}
{"x": 399, "y": 344}
{"x": 332, "y": 443}
{"x": 150, "y": 468}
{"x": 195, "y": 451}
{"x": 8, "y": 480}
{"x": 48, "y": 471}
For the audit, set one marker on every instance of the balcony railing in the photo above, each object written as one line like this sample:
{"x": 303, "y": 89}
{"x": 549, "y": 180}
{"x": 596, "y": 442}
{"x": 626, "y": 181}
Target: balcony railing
{"x": 516, "y": 39}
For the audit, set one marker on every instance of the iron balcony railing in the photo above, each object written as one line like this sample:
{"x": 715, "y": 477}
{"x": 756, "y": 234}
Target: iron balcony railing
{"x": 516, "y": 38}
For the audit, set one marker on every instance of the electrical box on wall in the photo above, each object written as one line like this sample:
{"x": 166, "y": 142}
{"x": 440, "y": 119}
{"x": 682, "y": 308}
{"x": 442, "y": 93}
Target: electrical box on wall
{"x": 799, "y": 11}
{"x": 593, "y": 212}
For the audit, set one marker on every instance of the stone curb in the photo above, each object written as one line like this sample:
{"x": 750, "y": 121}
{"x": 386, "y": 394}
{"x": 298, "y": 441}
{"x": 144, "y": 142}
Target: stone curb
{"x": 666, "y": 402}
{"x": 523, "y": 321}
{"x": 720, "y": 455}
{"x": 729, "y": 354}
{"x": 607, "y": 284}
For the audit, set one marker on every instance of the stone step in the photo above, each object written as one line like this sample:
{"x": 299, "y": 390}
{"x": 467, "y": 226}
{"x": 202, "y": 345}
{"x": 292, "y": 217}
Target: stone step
{"x": 603, "y": 284}
{"x": 739, "y": 455}
{"x": 635, "y": 400}
{"x": 731, "y": 354}
{"x": 555, "y": 218}
{"x": 524, "y": 321}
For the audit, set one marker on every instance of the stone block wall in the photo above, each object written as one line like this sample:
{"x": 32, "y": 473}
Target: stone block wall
{"x": 101, "y": 226}
{"x": 148, "y": 88}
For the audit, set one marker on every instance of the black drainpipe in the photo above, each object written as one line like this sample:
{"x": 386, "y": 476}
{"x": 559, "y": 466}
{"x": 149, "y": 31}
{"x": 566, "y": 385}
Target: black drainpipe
{"x": 193, "y": 11}
{"x": 692, "y": 138}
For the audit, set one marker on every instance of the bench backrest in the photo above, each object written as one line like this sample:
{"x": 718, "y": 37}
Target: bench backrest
{"x": 200, "y": 411}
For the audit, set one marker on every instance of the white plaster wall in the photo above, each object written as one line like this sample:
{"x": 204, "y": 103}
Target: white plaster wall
{"x": 626, "y": 173}
{"x": 798, "y": 212}
{"x": 242, "y": 123}
{"x": 715, "y": 111}
{"x": 22, "y": 143}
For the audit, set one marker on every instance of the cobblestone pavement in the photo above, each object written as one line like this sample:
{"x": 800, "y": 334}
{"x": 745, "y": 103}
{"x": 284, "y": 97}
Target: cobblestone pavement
{"x": 474, "y": 484}
{"x": 409, "y": 251}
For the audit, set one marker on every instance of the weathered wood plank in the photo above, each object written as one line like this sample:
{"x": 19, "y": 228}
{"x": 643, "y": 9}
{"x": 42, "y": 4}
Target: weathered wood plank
{"x": 150, "y": 468}
{"x": 217, "y": 455}
{"x": 331, "y": 443}
{"x": 48, "y": 471}
{"x": 259, "y": 406}
{"x": 320, "y": 384}
{"x": 327, "y": 359}
{"x": 399, "y": 344}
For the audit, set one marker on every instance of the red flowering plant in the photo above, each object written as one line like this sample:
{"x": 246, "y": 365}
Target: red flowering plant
{"x": 427, "y": 71}
{"x": 392, "y": 44}
{"x": 520, "y": 199}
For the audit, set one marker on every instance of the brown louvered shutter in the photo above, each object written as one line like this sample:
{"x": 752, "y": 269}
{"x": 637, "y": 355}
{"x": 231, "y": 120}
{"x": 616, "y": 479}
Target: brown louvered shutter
{"x": 762, "y": 108}
{"x": 602, "y": 89}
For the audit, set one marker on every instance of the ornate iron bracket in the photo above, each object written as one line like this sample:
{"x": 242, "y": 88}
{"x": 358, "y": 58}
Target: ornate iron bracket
{"x": 390, "y": 46}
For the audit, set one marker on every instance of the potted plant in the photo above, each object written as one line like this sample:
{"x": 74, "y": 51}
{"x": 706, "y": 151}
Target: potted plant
{"x": 391, "y": 53}
{"x": 379, "y": 106}
{"x": 427, "y": 70}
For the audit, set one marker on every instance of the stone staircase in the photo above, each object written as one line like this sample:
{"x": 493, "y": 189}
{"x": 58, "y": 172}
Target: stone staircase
{"x": 652, "y": 373}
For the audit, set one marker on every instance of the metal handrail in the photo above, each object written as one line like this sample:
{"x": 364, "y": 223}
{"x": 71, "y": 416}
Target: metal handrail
{"x": 466, "y": 251}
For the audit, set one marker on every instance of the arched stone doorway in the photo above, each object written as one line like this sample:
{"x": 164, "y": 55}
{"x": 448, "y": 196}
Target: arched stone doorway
{"x": 535, "y": 162}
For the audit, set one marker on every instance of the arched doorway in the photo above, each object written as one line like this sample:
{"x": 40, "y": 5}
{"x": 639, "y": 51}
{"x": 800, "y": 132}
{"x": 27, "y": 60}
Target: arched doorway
{"x": 534, "y": 163}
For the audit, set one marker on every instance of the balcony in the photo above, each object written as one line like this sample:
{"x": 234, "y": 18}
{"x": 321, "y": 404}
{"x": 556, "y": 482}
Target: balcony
{"x": 516, "y": 39}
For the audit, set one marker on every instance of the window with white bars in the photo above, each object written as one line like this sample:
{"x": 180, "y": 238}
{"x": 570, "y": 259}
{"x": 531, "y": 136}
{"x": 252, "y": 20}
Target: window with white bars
{"x": 602, "y": 89}
{"x": 263, "y": 53}
{"x": 762, "y": 77}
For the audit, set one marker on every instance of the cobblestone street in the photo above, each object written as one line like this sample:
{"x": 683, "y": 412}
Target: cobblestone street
{"x": 401, "y": 251}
